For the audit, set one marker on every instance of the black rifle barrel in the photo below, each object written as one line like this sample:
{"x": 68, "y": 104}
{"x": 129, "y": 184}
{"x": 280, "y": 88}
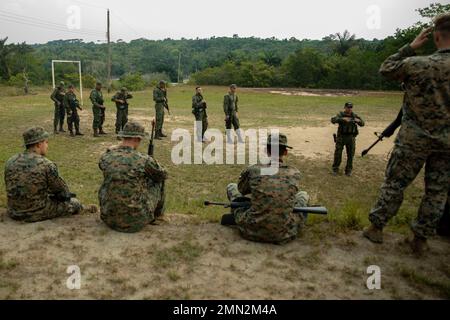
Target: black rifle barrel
{"x": 246, "y": 204}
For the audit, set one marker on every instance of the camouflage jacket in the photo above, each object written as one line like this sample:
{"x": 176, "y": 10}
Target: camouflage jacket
{"x": 58, "y": 95}
{"x": 71, "y": 103}
{"x": 125, "y": 196}
{"x": 345, "y": 127}
{"x": 270, "y": 216}
{"x": 160, "y": 96}
{"x": 124, "y": 97}
{"x": 96, "y": 98}
{"x": 198, "y": 104}
{"x": 426, "y": 116}
{"x": 230, "y": 103}
{"x": 30, "y": 179}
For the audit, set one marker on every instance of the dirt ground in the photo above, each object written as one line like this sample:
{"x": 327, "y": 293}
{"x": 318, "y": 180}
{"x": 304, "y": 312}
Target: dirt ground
{"x": 186, "y": 258}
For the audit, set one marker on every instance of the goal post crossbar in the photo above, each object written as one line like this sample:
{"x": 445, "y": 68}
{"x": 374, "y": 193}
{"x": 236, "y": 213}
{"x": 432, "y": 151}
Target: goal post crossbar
{"x": 79, "y": 72}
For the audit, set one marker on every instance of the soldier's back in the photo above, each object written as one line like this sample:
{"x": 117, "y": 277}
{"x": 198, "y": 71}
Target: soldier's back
{"x": 270, "y": 217}
{"x": 123, "y": 195}
{"x": 26, "y": 182}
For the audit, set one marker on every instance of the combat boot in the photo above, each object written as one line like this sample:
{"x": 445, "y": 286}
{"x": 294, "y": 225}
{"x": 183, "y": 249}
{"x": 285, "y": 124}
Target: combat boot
{"x": 374, "y": 234}
{"x": 96, "y": 133}
{"x": 418, "y": 245}
{"x": 55, "y": 131}
{"x": 161, "y": 134}
{"x": 71, "y": 133}
{"x": 101, "y": 131}
{"x": 61, "y": 128}
{"x": 78, "y": 133}
{"x": 157, "y": 136}
{"x": 90, "y": 208}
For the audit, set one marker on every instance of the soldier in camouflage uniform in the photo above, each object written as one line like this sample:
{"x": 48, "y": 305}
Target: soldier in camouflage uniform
{"x": 160, "y": 98}
{"x": 98, "y": 109}
{"x": 120, "y": 98}
{"x": 132, "y": 194}
{"x": 72, "y": 105}
{"x": 346, "y": 137}
{"x": 199, "y": 110}
{"x": 58, "y": 98}
{"x": 423, "y": 138}
{"x": 230, "y": 108}
{"x": 34, "y": 188}
{"x": 273, "y": 197}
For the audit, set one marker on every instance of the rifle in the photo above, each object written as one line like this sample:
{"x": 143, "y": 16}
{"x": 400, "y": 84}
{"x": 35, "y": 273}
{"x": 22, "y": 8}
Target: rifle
{"x": 62, "y": 197}
{"x": 166, "y": 105}
{"x": 152, "y": 135}
{"x": 247, "y": 204}
{"x": 334, "y": 137}
{"x": 389, "y": 131}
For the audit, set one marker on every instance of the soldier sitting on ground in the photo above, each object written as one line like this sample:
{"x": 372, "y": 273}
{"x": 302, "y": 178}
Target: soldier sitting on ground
{"x": 132, "y": 193}
{"x": 346, "y": 136}
{"x": 34, "y": 188}
{"x": 273, "y": 197}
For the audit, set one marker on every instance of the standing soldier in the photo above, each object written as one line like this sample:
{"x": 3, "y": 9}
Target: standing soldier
{"x": 423, "y": 138}
{"x": 273, "y": 197}
{"x": 230, "y": 107}
{"x": 132, "y": 193}
{"x": 98, "y": 109}
{"x": 58, "y": 98}
{"x": 72, "y": 105}
{"x": 161, "y": 102}
{"x": 120, "y": 98}
{"x": 34, "y": 188}
{"x": 346, "y": 136}
{"x": 199, "y": 110}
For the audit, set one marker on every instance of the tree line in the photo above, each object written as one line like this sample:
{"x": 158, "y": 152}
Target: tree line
{"x": 339, "y": 61}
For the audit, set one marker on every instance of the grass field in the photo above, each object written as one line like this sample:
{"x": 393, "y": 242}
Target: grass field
{"x": 349, "y": 199}
{"x": 192, "y": 256}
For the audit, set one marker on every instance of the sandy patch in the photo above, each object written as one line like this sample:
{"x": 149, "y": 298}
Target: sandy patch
{"x": 188, "y": 259}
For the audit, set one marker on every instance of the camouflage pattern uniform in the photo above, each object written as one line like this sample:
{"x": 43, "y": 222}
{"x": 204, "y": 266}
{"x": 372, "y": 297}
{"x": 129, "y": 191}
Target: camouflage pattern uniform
{"x": 270, "y": 217}
{"x": 230, "y": 107}
{"x": 160, "y": 98}
{"x": 57, "y": 97}
{"x": 122, "y": 108}
{"x": 35, "y": 191}
{"x": 423, "y": 138}
{"x": 98, "y": 110}
{"x": 132, "y": 194}
{"x": 199, "y": 111}
{"x": 72, "y": 105}
{"x": 346, "y": 137}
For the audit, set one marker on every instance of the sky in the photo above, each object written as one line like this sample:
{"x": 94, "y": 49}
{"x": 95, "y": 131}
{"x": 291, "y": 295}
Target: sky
{"x": 39, "y": 21}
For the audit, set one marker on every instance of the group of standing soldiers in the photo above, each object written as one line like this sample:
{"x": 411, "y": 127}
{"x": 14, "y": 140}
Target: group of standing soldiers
{"x": 66, "y": 102}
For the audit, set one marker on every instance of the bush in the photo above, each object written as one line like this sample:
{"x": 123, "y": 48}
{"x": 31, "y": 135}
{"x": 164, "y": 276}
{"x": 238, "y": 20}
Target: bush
{"x": 133, "y": 81}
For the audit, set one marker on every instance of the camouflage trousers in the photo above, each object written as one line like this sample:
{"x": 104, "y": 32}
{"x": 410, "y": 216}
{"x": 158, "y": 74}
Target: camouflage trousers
{"x": 232, "y": 120}
{"x": 124, "y": 215}
{"x": 349, "y": 142}
{"x": 59, "y": 115}
{"x": 201, "y": 116}
{"x": 73, "y": 119}
{"x": 121, "y": 119}
{"x": 252, "y": 230}
{"x": 99, "y": 117}
{"x": 53, "y": 209}
{"x": 159, "y": 117}
{"x": 402, "y": 168}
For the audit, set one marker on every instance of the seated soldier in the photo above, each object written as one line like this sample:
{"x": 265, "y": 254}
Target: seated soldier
{"x": 34, "y": 188}
{"x": 273, "y": 197}
{"x": 132, "y": 193}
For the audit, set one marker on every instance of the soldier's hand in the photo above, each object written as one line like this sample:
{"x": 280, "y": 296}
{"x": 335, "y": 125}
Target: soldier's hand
{"x": 346, "y": 119}
{"x": 421, "y": 39}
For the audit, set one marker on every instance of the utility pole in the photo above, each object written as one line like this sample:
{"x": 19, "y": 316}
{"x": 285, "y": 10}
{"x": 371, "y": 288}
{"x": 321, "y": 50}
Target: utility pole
{"x": 179, "y": 65}
{"x": 108, "y": 38}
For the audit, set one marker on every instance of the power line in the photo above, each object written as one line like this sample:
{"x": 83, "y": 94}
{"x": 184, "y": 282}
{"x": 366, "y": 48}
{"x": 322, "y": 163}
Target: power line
{"x": 126, "y": 24}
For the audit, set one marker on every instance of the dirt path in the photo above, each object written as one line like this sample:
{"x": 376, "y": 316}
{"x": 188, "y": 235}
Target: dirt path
{"x": 186, "y": 258}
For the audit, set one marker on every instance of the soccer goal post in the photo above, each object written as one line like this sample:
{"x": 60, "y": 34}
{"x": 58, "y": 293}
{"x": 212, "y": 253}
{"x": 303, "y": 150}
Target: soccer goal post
{"x": 79, "y": 72}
